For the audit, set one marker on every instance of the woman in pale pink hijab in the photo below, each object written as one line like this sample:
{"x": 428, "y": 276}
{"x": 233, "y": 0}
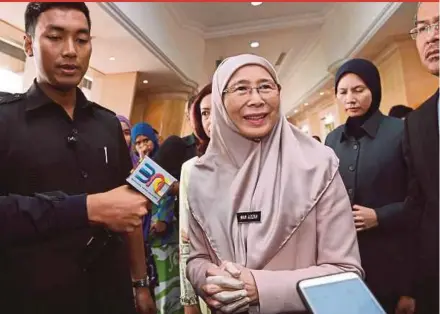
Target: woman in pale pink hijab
{"x": 301, "y": 224}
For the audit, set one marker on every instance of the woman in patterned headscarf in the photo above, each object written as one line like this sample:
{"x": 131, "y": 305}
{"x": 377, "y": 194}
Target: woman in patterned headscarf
{"x": 144, "y": 140}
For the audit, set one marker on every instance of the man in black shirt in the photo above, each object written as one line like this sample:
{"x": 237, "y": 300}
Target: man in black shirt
{"x": 63, "y": 150}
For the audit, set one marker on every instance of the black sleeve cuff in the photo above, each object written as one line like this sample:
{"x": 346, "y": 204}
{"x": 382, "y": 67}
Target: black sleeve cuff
{"x": 381, "y": 216}
{"x": 391, "y": 216}
{"x": 73, "y": 212}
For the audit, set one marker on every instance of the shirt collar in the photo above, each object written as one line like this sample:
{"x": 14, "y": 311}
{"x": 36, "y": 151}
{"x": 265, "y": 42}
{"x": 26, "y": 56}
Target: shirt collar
{"x": 37, "y": 98}
{"x": 371, "y": 126}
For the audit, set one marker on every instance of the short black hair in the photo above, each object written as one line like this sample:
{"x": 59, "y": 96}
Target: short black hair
{"x": 35, "y": 9}
{"x": 155, "y": 131}
{"x": 400, "y": 111}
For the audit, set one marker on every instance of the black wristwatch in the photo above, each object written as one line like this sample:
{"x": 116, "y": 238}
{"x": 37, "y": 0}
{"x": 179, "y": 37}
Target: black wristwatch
{"x": 141, "y": 283}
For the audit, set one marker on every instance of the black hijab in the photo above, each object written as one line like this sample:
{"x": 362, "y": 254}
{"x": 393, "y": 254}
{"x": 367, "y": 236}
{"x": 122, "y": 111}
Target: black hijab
{"x": 368, "y": 73}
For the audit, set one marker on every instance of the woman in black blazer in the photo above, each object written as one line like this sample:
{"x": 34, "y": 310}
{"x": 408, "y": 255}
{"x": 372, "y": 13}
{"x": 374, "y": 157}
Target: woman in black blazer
{"x": 369, "y": 146}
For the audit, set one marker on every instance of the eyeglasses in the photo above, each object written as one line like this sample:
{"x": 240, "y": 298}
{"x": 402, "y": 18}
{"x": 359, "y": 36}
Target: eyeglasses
{"x": 423, "y": 30}
{"x": 266, "y": 88}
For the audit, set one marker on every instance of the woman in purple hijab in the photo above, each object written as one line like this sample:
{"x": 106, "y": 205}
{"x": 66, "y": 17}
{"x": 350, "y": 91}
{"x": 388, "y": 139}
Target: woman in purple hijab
{"x": 126, "y": 130}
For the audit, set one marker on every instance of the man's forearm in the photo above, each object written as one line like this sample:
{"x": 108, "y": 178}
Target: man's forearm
{"x": 136, "y": 252}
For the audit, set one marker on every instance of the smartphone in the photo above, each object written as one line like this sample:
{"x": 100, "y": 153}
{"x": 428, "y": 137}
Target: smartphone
{"x": 343, "y": 293}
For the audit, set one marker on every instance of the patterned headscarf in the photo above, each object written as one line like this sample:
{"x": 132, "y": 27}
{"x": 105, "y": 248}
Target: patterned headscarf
{"x": 146, "y": 130}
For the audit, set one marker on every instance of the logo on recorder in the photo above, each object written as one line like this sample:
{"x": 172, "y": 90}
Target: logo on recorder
{"x": 151, "y": 180}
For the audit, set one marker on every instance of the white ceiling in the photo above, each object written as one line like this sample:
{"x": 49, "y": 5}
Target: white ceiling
{"x": 228, "y": 28}
{"x": 218, "y": 19}
{"x": 398, "y": 26}
{"x": 272, "y": 44}
{"x": 110, "y": 39}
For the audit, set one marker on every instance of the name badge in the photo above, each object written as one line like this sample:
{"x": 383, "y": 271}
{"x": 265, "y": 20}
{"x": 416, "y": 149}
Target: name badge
{"x": 248, "y": 217}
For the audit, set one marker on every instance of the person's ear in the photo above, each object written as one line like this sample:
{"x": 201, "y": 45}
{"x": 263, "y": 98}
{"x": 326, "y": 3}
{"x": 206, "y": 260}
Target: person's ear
{"x": 29, "y": 51}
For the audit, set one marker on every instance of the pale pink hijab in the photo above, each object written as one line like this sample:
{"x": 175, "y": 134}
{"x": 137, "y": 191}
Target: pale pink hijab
{"x": 283, "y": 176}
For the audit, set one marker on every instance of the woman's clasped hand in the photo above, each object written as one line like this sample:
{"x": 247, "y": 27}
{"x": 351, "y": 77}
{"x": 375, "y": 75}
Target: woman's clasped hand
{"x": 230, "y": 288}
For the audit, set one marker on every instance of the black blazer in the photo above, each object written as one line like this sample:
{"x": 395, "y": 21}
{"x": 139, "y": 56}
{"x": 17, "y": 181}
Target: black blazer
{"x": 421, "y": 147}
{"x": 375, "y": 175}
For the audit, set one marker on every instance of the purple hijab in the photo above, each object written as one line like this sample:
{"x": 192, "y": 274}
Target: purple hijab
{"x": 134, "y": 158}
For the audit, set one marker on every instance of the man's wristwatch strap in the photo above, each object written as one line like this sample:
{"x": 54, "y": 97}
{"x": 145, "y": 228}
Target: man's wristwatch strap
{"x": 141, "y": 283}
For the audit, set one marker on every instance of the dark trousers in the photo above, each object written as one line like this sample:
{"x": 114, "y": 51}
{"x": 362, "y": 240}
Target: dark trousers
{"x": 388, "y": 303}
{"x": 427, "y": 296}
